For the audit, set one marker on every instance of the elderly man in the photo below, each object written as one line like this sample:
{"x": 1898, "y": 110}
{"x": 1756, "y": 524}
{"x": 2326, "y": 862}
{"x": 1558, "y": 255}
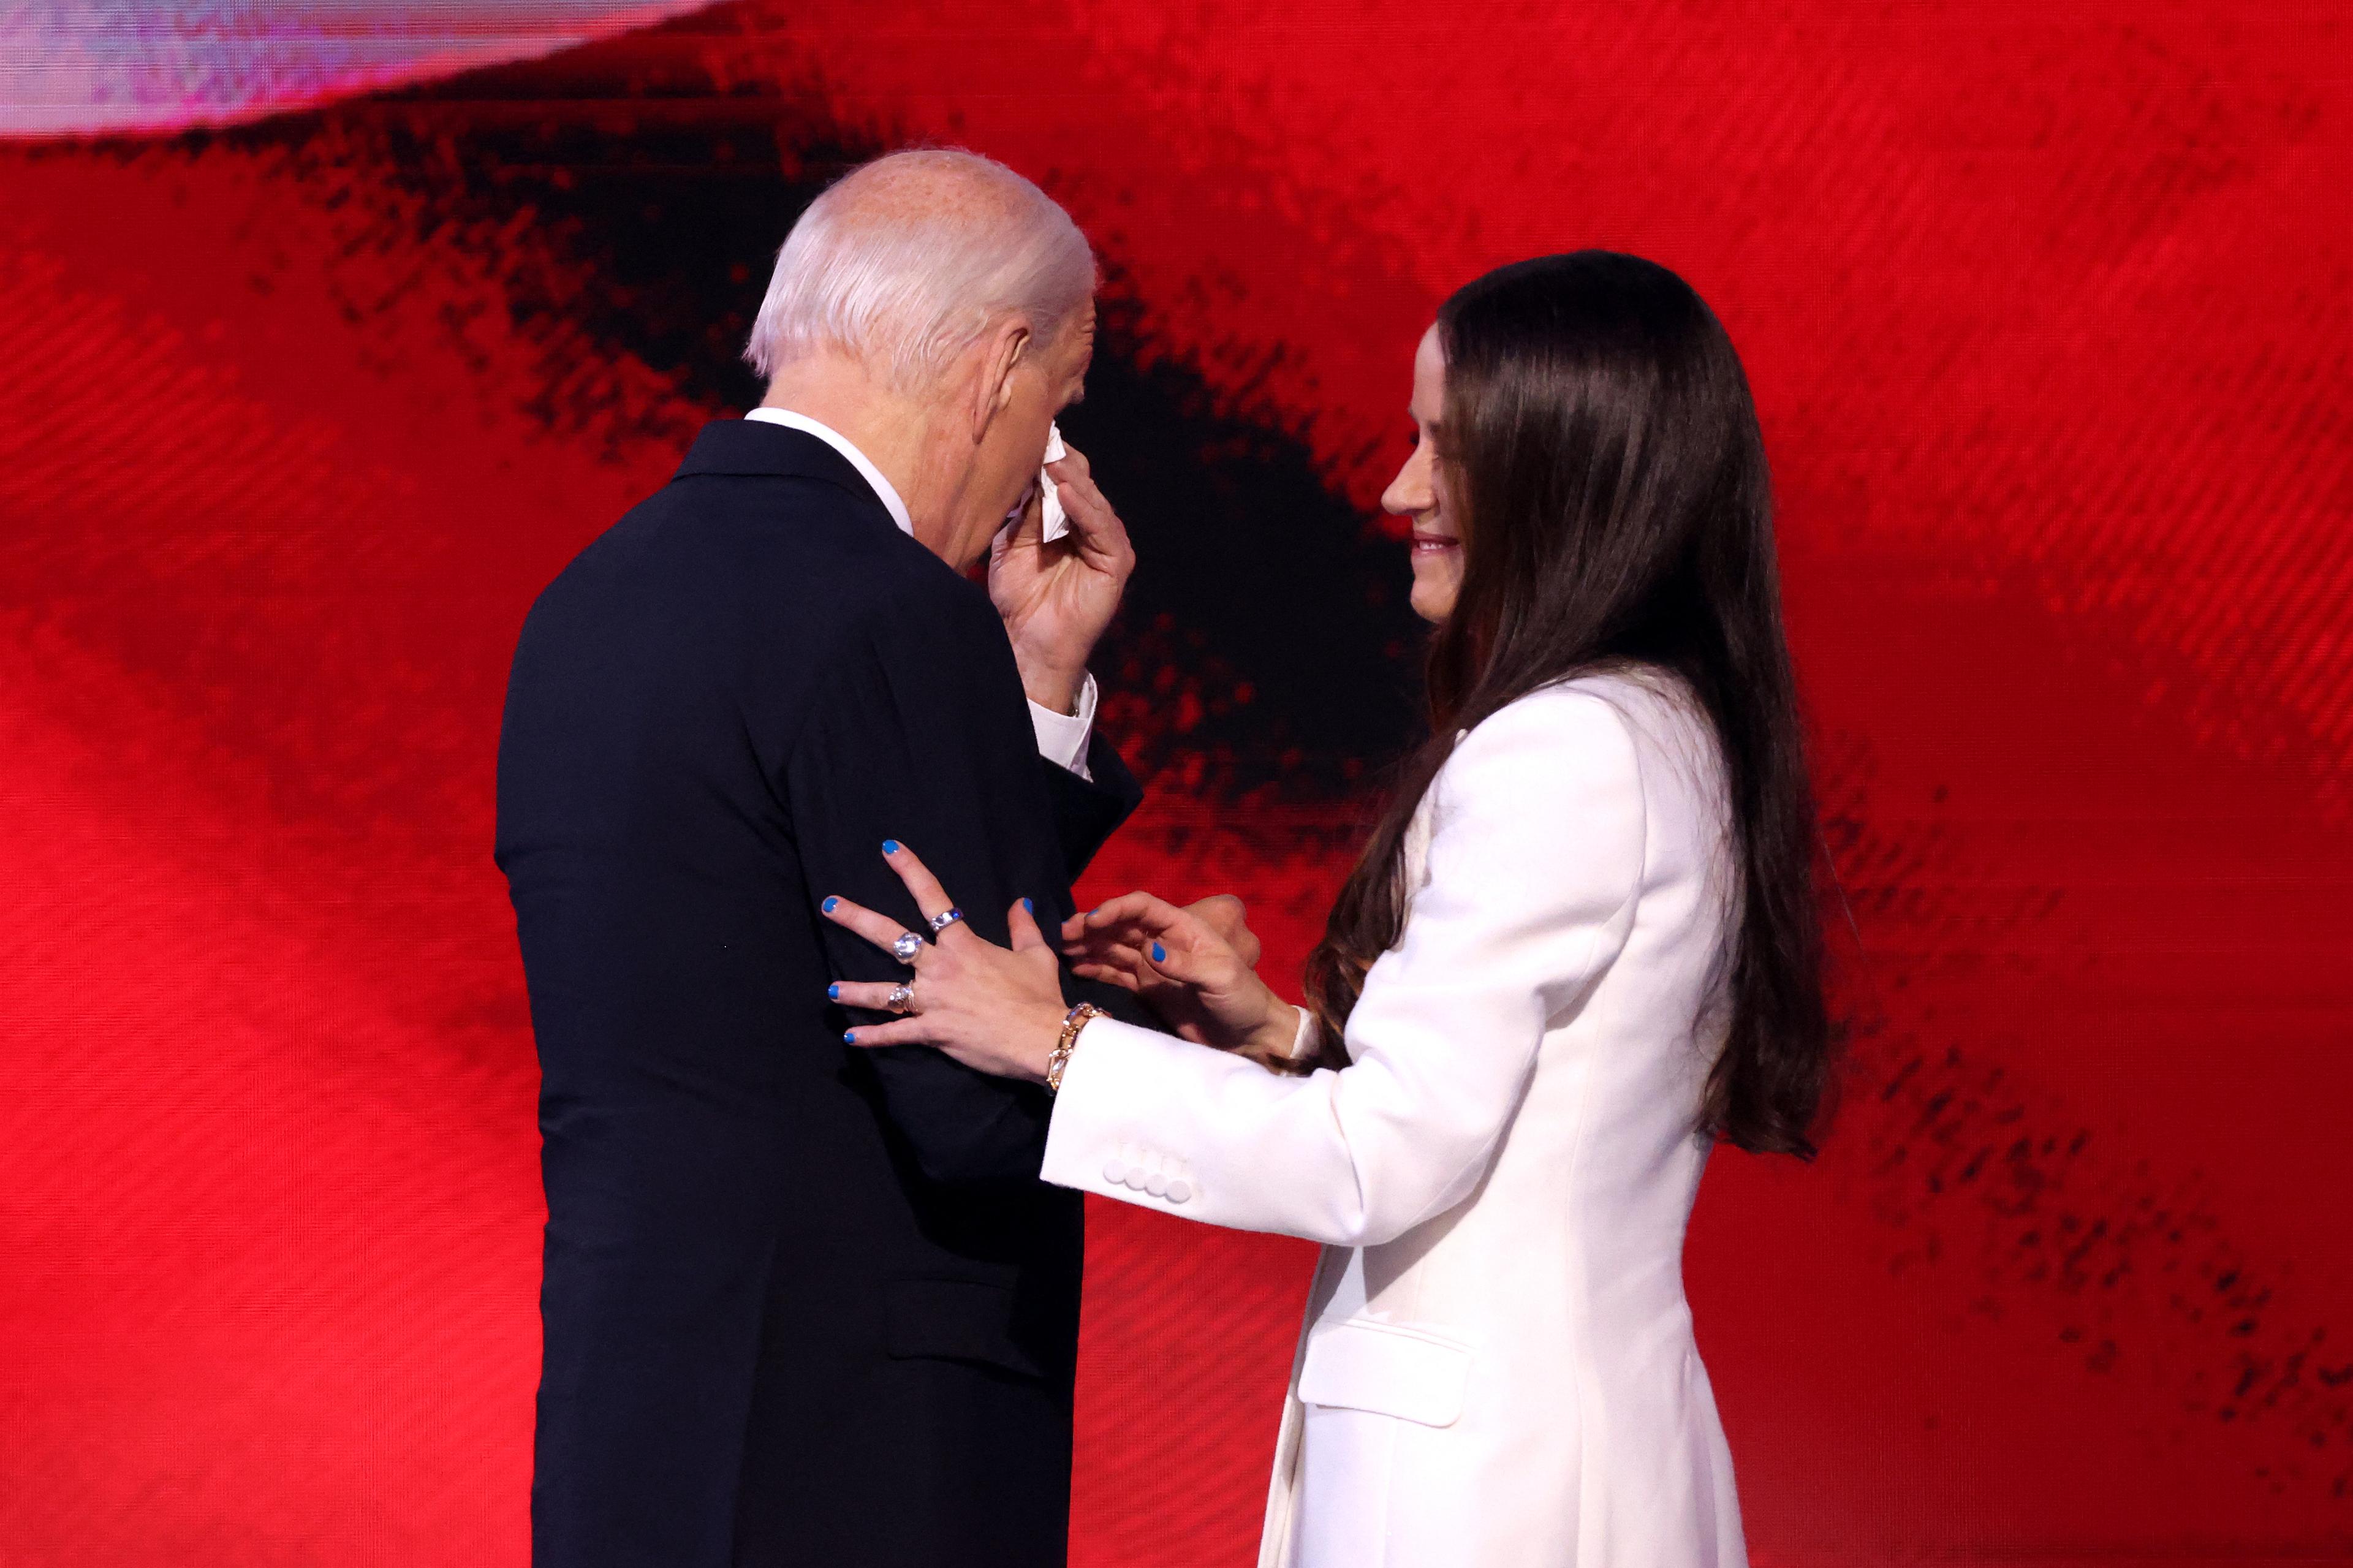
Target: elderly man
{"x": 805, "y": 1304}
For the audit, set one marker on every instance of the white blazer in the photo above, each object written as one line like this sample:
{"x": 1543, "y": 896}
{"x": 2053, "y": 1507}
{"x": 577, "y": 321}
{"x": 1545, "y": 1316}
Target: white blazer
{"x": 1497, "y": 1368}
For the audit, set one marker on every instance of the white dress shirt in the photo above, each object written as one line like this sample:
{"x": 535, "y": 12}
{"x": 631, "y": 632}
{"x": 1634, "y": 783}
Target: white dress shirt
{"x": 1061, "y": 737}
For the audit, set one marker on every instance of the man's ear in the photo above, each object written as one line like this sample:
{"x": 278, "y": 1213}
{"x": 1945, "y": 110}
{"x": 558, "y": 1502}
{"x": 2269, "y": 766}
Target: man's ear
{"x": 1006, "y": 350}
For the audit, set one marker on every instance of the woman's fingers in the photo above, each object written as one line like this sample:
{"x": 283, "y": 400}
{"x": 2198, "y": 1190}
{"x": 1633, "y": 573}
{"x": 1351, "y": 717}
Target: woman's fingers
{"x": 1138, "y": 919}
{"x": 1129, "y": 929}
{"x": 1153, "y": 945}
{"x": 1110, "y": 953}
{"x": 898, "y": 1032}
{"x": 872, "y": 995}
{"x": 1125, "y": 909}
{"x": 1107, "y": 974}
{"x": 1150, "y": 962}
{"x": 930, "y": 897}
{"x": 1184, "y": 966}
{"x": 880, "y": 929}
{"x": 1152, "y": 921}
{"x": 1022, "y": 922}
{"x": 1083, "y": 927}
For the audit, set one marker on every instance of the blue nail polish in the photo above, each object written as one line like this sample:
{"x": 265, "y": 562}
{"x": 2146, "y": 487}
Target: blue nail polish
{"x": 890, "y": 847}
{"x": 1028, "y": 907}
{"x": 849, "y": 1038}
{"x": 1159, "y": 953}
{"x": 833, "y": 992}
{"x": 828, "y": 904}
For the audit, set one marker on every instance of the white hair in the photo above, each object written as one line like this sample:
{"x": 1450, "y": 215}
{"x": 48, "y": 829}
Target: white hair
{"x": 907, "y": 261}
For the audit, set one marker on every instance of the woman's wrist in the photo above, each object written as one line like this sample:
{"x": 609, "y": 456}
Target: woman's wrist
{"x": 1038, "y": 1037}
{"x": 1066, "y": 1042}
{"x": 1276, "y": 1036}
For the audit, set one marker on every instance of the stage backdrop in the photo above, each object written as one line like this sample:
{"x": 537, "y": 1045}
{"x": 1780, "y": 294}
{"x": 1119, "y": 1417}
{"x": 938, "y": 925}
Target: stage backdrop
{"x": 329, "y": 332}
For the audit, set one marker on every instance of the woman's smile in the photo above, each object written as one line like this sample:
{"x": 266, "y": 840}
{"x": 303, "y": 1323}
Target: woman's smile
{"x": 1437, "y": 558}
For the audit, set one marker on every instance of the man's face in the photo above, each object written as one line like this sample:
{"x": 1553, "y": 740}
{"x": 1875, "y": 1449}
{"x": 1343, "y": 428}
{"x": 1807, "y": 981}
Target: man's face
{"x": 1049, "y": 378}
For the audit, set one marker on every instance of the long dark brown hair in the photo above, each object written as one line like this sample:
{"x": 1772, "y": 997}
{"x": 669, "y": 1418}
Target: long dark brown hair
{"x": 1604, "y": 467}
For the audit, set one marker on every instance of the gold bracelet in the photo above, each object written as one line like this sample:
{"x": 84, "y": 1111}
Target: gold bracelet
{"x": 1077, "y": 1018}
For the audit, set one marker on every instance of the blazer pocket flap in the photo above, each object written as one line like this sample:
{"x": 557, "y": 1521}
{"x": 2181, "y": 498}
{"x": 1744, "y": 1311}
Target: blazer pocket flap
{"x": 958, "y": 1319}
{"x": 1359, "y": 1364}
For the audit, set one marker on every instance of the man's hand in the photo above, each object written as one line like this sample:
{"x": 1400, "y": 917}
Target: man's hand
{"x": 1058, "y": 598}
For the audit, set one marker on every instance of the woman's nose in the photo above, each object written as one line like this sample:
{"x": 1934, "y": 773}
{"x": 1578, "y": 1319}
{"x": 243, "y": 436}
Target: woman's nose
{"x": 1410, "y": 491}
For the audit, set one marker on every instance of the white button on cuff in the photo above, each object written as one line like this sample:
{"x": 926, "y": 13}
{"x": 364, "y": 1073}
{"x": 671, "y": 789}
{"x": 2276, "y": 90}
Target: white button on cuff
{"x": 1115, "y": 1171}
{"x": 1135, "y": 1180}
{"x": 1180, "y": 1190}
{"x": 1156, "y": 1183}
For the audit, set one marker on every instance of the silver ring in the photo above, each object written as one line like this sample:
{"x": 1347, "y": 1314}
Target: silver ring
{"x": 901, "y": 998}
{"x": 906, "y": 947}
{"x": 941, "y": 921}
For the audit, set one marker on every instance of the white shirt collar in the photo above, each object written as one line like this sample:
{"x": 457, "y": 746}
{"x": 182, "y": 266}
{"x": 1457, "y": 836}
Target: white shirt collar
{"x": 883, "y": 490}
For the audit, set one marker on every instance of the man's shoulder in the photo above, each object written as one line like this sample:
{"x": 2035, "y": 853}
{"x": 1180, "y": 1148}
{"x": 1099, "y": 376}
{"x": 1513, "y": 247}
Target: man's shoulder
{"x": 910, "y": 594}
{"x": 780, "y": 557}
{"x": 779, "y": 508}
{"x": 755, "y": 531}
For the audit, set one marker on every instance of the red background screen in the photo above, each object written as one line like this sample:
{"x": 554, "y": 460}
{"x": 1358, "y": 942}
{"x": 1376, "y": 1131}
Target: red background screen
{"x": 312, "y": 374}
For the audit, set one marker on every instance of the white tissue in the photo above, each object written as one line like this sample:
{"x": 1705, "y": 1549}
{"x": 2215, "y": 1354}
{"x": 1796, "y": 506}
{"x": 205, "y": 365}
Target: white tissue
{"x": 1055, "y": 523}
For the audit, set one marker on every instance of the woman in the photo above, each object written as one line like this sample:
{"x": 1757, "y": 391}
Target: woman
{"x": 1581, "y": 946}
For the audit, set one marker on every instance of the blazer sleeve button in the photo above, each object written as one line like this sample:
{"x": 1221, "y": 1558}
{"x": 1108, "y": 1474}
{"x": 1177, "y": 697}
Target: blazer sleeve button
{"x": 1115, "y": 1171}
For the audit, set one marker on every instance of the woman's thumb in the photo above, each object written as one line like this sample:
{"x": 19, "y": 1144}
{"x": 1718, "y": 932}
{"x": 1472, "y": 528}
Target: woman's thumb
{"x": 1021, "y": 921}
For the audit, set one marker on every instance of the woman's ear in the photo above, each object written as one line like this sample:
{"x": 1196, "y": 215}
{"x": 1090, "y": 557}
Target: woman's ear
{"x": 1005, "y": 351}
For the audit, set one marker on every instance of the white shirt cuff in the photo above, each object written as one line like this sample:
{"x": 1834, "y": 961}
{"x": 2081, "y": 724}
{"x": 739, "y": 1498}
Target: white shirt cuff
{"x": 1062, "y": 737}
{"x": 1305, "y": 1039}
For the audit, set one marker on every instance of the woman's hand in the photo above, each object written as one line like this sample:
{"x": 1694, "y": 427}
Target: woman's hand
{"x": 1190, "y": 966}
{"x": 1229, "y": 918}
{"x": 996, "y": 1009}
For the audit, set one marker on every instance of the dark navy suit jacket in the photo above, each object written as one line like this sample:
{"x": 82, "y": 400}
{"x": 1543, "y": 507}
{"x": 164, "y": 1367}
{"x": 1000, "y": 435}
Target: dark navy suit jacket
{"x": 803, "y": 1303}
